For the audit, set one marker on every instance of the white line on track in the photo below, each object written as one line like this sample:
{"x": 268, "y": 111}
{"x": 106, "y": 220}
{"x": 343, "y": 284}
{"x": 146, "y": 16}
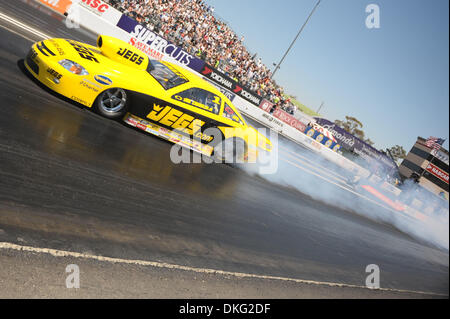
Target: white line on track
{"x": 24, "y": 27}
{"x": 17, "y": 33}
{"x": 63, "y": 253}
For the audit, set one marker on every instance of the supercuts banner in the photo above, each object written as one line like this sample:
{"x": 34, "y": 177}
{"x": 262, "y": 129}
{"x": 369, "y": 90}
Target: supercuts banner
{"x": 227, "y": 82}
{"x": 155, "y": 46}
{"x": 352, "y": 143}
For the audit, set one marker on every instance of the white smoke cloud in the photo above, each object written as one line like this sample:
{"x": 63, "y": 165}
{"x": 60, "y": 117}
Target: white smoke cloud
{"x": 311, "y": 174}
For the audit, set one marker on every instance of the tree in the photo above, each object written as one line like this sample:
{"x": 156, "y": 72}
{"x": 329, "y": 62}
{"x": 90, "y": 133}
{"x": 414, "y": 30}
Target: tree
{"x": 353, "y": 126}
{"x": 397, "y": 152}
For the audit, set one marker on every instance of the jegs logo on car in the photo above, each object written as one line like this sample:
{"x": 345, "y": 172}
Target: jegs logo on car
{"x": 130, "y": 55}
{"x": 54, "y": 73}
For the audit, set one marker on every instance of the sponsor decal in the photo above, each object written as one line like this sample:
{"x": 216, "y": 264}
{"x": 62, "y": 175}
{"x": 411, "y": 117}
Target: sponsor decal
{"x": 130, "y": 55}
{"x": 77, "y": 99}
{"x": 83, "y": 51}
{"x": 436, "y": 171}
{"x": 132, "y": 121}
{"x": 227, "y": 82}
{"x": 153, "y": 54}
{"x": 90, "y": 85}
{"x": 54, "y": 73}
{"x": 57, "y": 46}
{"x": 177, "y": 120}
{"x": 163, "y": 131}
{"x": 214, "y": 109}
{"x": 103, "y": 79}
{"x": 151, "y": 131}
{"x": 175, "y": 139}
{"x": 141, "y": 126}
{"x": 96, "y": 6}
{"x": 153, "y": 44}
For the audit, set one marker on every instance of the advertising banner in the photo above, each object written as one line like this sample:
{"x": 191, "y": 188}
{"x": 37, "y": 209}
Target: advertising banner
{"x": 227, "y": 93}
{"x": 324, "y": 131}
{"x": 436, "y": 171}
{"x": 155, "y": 46}
{"x": 101, "y": 9}
{"x": 352, "y": 143}
{"x": 266, "y": 105}
{"x": 289, "y": 119}
{"x": 230, "y": 84}
{"x": 58, "y": 5}
{"x": 321, "y": 138}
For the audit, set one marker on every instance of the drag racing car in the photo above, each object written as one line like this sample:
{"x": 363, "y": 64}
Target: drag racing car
{"x": 119, "y": 81}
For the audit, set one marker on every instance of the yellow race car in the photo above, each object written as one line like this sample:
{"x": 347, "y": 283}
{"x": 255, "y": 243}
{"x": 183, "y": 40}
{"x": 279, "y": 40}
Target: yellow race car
{"x": 120, "y": 82}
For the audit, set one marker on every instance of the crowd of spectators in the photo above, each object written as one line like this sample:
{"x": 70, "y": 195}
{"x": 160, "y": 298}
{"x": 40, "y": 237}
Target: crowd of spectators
{"x": 192, "y": 25}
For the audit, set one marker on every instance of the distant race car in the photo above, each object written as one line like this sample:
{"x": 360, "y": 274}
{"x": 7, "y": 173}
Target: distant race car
{"x": 119, "y": 81}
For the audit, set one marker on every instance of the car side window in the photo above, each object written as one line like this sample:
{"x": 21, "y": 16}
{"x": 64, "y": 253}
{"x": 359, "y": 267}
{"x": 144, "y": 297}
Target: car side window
{"x": 229, "y": 113}
{"x": 200, "y": 98}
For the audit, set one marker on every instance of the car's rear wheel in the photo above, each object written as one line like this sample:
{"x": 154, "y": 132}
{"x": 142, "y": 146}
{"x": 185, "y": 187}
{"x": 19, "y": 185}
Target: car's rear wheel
{"x": 230, "y": 150}
{"x": 112, "y": 103}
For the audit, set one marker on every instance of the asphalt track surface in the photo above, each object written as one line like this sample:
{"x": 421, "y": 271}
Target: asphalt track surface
{"x": 73, "y": 181}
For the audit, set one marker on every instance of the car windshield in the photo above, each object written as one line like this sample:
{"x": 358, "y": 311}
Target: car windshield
{"x": 167, "y": 76}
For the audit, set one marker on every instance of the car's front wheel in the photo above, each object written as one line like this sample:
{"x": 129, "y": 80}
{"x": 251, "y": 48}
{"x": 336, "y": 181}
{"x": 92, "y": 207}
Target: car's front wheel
{"x": 112, "y": 103}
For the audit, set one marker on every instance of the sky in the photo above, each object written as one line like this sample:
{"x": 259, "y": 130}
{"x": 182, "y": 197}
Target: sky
{"x": 394, "y": 79}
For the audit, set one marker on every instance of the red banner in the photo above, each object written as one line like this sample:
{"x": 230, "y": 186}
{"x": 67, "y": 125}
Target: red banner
{"x": 266, "y": 105}
{"x": 289, "y": 119}
{"x": 283, "y": 116}
{"x": 436, "y": 171}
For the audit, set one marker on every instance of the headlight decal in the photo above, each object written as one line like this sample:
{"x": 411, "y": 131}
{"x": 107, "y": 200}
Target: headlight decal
{"x": 73, "y": 67}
